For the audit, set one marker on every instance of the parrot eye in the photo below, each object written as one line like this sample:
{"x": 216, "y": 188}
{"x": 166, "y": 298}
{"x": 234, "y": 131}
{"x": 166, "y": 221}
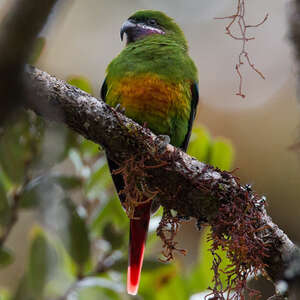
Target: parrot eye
{"x": 152, "y": 22}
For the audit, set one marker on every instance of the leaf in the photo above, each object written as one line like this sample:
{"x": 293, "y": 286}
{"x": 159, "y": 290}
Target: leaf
{"x": 39, "y": 46}
{"x": 6, "y": 257}
{"x": 42, "y": 262}
{"x": 222, "y": 154}
{"x": 80, "y": 82}
{"x": 5, "y": 181}
{"x": 94, "y": 288}
{"x": 173, "y": 289}
{"x": 77, "y": 242}
{"x": 20, "y": 143}
{"x": 5, "y": 294}
{"x": 31, "y": 197}
{"x": 5, "y": 212}
{"x": 23, "y": 291}
{"x": 68, "y": 182}
{"x": 113, "y": 212}
{"x": 163, "y": 283}
{"x": 100, "y": 282}
{"x": 113, "y": 235}
{"x": 89, "y": 149}
{"x": 200, "y": 143}
{"x": 99, "y": 180}
{"x": 149, "y": 265}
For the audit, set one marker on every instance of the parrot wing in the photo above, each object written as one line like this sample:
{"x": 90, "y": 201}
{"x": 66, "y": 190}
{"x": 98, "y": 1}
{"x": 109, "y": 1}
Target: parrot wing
{"x": 194, "y": 103}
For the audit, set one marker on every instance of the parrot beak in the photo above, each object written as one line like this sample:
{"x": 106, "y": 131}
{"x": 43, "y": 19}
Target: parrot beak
{"x": 127, "y": 27}
{"x": 136, "y": 30}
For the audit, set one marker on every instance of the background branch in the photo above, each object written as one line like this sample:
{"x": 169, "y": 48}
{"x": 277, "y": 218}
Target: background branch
{"x": 18, "y": 32}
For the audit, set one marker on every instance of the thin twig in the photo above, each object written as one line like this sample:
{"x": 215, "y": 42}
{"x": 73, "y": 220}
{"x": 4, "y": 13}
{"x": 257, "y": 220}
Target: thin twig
{"x": 238, "y": 18}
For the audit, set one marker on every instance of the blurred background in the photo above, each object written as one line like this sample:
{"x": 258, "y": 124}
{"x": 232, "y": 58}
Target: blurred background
{"x": 82, "y": 37}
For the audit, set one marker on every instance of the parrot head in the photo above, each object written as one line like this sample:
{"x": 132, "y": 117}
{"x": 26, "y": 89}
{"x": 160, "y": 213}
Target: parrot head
{"x": 145, "y": 23}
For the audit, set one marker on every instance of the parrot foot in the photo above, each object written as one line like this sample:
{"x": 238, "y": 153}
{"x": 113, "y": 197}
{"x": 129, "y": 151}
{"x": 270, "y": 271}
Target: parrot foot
{"x": 120, "y": 109}
{"x": 163, "y": 140}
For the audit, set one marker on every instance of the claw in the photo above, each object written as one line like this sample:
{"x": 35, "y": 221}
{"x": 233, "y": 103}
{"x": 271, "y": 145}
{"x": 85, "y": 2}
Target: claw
{"x": 163, "y": 140}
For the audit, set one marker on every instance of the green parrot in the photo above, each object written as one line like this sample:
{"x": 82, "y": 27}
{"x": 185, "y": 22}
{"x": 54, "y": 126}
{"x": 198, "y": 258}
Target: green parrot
{"x": 155, "y": 81}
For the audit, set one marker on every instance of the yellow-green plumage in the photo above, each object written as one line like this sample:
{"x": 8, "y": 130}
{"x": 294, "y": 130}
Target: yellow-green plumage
{"x": 153, "y": 79}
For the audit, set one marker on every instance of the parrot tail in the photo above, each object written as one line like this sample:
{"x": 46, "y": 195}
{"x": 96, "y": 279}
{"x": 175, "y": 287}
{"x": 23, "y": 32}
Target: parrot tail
{"x": 137, "y": 241}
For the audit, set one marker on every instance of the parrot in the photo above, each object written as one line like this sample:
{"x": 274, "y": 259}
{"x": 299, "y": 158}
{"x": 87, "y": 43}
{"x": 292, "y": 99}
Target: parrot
{"x": 155, "y": 82}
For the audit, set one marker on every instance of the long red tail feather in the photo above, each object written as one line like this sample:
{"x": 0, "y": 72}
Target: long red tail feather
{"x": 137, "y": 241}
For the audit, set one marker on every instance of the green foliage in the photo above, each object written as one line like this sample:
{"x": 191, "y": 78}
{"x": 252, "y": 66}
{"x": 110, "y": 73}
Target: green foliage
{"x": 4, "y": 205}
{"x": 79, "y": 242}
{"x": 42, "y": 261}
{"x": 20, "y": 146}
{"x": 222, "y": 154}
{"x": 5, "y": 294}
{"x": 6, "y": 257}
{"x": 217, "y": 152}
{"x": 200, "y": 144}
{"x": 81, "y": 82}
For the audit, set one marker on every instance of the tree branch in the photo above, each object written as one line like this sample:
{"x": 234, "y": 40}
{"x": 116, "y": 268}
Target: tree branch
{"x": 184, "y": 184}
{"x": 18, "y": 31}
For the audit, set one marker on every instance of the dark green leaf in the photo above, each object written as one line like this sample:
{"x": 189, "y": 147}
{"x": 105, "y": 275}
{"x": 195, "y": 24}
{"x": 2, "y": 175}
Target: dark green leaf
{"x": 68, "y": 182}
{"x": 20, "y": 143}
{"x": 42, "y": 262}
{"x": 5, "y": 212}
{"x": 113, "y": 212}
{"x": 6, "y": 257}
{"x": 113, "y": 235}
{"x": 77, "y": 242}
{"x": 23, "y": 292}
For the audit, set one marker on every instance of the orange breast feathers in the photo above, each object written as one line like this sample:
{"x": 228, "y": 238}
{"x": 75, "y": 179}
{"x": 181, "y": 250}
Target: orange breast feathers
{"x": 151, "y": 95}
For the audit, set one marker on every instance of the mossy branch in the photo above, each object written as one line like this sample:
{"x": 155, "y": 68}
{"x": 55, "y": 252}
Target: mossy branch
{"x": 186, "y": 185}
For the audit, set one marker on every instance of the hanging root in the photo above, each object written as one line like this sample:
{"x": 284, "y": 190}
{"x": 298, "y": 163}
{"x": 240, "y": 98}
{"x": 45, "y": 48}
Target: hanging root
{"x": 237, "y": 230}
{"x": 167, "y": 231}
{"x": 135, "y": 189}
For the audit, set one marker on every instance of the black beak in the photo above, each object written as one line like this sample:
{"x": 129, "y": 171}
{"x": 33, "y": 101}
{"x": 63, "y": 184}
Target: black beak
{"x": 127, "y": 26}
